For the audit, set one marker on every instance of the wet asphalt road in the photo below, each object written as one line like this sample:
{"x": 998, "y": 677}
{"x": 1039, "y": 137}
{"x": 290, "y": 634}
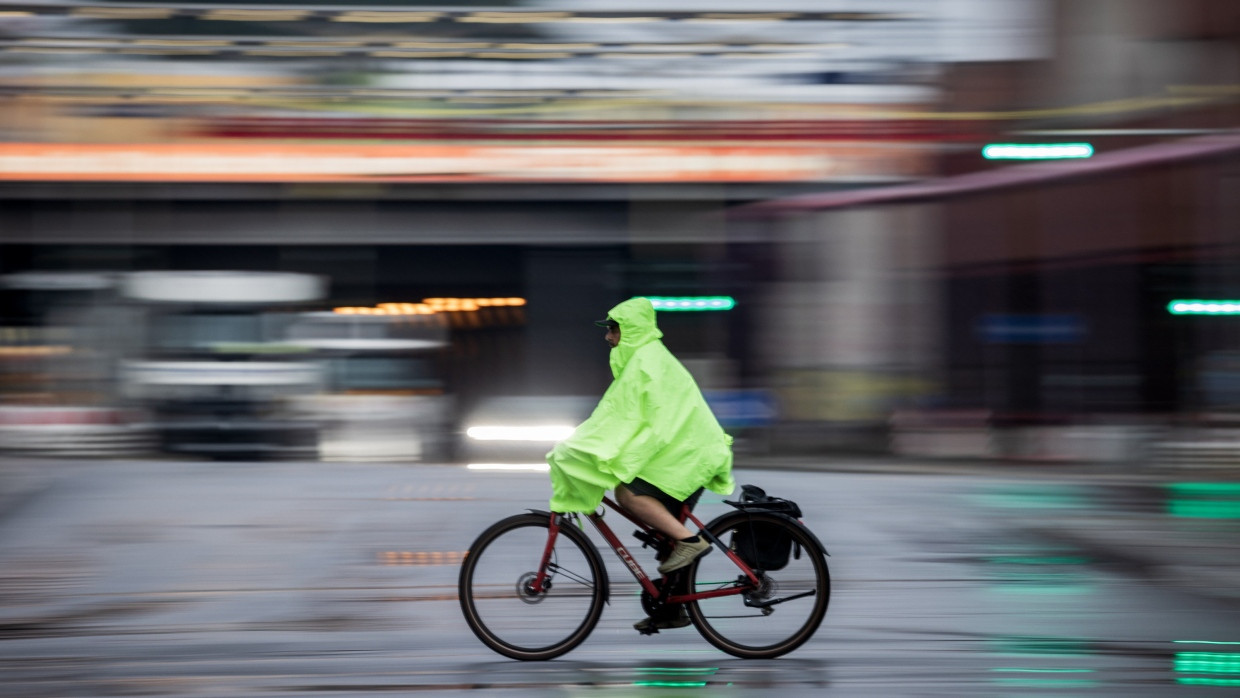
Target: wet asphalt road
{"x": 228, "y": 579}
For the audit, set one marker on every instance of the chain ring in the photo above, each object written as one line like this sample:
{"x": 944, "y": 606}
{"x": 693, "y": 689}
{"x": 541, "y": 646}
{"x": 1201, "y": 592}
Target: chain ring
{"x": 651, "y": 605}
{"x": 659, "y": 609}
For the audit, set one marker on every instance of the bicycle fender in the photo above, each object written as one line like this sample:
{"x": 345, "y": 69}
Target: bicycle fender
{"x": 741, "y": 514}
{"x": 541, "y": 512}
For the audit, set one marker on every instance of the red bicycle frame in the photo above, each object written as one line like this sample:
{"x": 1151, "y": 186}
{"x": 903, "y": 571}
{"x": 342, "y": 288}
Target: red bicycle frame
{"x": 622, "y": 552}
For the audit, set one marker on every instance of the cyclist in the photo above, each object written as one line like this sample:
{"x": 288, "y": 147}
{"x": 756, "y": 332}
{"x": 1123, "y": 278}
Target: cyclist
{"x": 652, "y": 438}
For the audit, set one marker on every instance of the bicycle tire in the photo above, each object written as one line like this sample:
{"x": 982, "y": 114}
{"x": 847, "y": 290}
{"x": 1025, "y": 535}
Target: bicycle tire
{"x": 524, "y": 626}
{"x": 746, "y": 632}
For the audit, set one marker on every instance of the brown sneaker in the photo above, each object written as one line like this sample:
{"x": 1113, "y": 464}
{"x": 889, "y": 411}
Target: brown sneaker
{"x": 683, "y": 554}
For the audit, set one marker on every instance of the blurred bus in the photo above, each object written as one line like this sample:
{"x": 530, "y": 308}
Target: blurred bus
{"x": 212, "y": 367}
{"x": 384, "y": 397}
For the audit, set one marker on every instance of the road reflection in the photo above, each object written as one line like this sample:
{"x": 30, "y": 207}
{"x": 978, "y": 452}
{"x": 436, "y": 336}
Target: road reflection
{"x": 1203, "y": 664}
{"x": 1203, "y": 500}
{"x": 653, "y": 679}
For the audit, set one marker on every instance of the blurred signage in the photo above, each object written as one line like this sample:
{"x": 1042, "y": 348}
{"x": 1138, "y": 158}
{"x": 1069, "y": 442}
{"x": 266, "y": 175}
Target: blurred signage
{"x": 164, "y": 378}
{"x": 995, "y": 30}
{"x": 226, "y": 287}
{"x": 743, "y": 408}
{"x": 449, "y": 163}
{"x": 1031, "y": 329}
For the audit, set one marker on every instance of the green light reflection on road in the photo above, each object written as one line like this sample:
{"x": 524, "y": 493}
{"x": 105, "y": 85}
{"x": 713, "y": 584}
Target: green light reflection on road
{"x": 1050, "y": 680}
{"x": 1047, "y": 683}
{"x": 1038, "y": 571}
{"x": 668, "y": 677}
{"x": 1204, "y": 500}
{"x": 1039, "y": 650}
{"x": 1204, "y": 642}
{"x": 1033, "y": 497}
{"x": 1216, "y": 668}
{"x": 1040, "y": 559}
{"x": 679, "y": 671}
{"x": 1205, "y": 489}
{"x": 1044, "y": 671}
{"x": 1207, "y": 662}
{"x": 1202, "y": 681}
{"x": 1020, "y": 646}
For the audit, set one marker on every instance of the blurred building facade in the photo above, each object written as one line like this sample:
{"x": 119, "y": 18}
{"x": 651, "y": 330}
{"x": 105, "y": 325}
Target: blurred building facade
{"x": 1046, "y": 287}
{"x": 818, "y": 163}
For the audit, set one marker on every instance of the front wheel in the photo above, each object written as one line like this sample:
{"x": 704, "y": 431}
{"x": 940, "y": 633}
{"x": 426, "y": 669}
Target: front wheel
{"x": 783, "y": 612}
{"x": 500, "y": 602}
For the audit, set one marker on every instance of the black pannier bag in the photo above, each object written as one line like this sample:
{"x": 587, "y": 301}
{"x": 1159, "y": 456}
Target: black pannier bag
{"x": 763, "y": 545}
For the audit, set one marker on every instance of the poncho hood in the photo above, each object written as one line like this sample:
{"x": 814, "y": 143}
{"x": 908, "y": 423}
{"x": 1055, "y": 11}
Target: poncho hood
{"x": 638, "y": 327}
{"x": 652, "y": 423}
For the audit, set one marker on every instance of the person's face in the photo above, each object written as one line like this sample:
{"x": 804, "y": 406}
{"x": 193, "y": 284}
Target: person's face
{"x": 613, "y": 335}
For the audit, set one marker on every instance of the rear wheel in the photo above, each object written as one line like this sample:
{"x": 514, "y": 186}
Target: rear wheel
{"x": 505, "y": 610}
{"x": 775, "y": 618}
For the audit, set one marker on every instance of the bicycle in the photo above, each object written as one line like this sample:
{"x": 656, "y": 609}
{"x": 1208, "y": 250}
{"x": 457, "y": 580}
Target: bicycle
{"x": 533, "y": 586}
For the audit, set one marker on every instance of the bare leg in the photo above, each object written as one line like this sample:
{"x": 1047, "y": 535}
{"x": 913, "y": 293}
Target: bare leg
{"x": 652, "y": 511}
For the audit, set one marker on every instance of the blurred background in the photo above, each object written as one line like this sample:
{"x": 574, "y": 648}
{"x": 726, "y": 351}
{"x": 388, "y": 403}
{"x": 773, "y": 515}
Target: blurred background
{"x": 961, "y": 228}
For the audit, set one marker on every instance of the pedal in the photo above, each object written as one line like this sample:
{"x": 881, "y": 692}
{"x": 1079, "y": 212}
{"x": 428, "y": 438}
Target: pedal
{"x": 646, "y": 539}
{"x": 661, "y": 548}
{"x": 646, "y": 627}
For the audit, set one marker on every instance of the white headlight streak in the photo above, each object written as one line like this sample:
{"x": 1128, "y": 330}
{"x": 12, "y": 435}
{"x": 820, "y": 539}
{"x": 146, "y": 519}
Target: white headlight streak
{"x": 513, "y": 433}
{"x": 525, "y": 467}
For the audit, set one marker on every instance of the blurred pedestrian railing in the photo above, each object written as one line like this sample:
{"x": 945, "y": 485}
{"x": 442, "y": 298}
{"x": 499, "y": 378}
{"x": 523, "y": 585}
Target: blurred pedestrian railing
{"x": 983, "y": 434}
{"x": 73, "y": 432}
{"x": 1208, "y": 439}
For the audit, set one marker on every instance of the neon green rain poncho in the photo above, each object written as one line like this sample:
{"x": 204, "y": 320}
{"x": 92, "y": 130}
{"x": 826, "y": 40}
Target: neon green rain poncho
{"x": 652, "y": 423}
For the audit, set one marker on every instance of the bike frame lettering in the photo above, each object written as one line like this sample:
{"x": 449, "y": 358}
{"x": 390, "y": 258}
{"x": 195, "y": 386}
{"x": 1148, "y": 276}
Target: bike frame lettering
{"x": 640, "y": 574}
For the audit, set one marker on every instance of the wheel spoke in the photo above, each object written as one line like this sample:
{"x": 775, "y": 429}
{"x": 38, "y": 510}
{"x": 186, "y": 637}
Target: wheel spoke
{"x": 792, "y": 599}
{"x": 570, "y": 575}
{"x": 497, "y": 572}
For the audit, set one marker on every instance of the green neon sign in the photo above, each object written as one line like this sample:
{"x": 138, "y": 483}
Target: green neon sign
{"x": 1037, "y": 151}
{"x": 692, "y": 303}
{"x": 1203, "y": 307}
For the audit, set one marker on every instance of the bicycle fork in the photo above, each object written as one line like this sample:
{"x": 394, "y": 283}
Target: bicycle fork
{"x": 540, "y": 582}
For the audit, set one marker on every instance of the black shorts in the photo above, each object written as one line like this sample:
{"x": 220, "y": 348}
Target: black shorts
{"x": 640, "y": 486}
